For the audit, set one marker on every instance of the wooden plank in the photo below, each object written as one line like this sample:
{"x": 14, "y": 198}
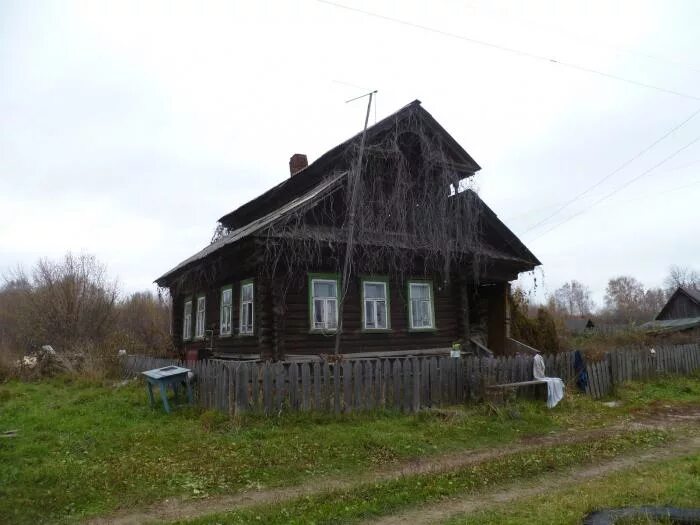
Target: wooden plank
{"x": 306, "y": 400}
{"x": 415, "y": 401}
{"x": 368, "y": 382}
{"x": 378, "y": 380}
{"x": 256, "y": 372}
{"x": 293, "y": 385}
{"x": 386, "y": 382}
{"x": 242, "y": 388}
{"x": 397, "y": 379}
{"x": 407, "y": 389}
{"x": 317, "y": 386}
{"x": 337, "y": 402}
{"x": 267, "y": 392}
{"x": 280, "y": 386}
{"x": 433, "y": 381}
{"x": 347, "y": 386}
{"x": 357, "y": 384}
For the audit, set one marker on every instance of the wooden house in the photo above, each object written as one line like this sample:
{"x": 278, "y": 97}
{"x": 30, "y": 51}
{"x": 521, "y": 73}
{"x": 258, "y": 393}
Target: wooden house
{"x": 684, "y": 303}
{"x": 377, "y": 247}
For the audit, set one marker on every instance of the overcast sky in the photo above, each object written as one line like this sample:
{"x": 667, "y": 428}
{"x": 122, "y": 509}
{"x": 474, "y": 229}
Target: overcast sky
{"x": 128, "y": 128}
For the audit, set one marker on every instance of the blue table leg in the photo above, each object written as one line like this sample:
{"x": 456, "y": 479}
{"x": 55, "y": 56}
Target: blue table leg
{"x": 164, "y": 397}
{"x": 149, "y": 389}
{"x": 175, "y": 390}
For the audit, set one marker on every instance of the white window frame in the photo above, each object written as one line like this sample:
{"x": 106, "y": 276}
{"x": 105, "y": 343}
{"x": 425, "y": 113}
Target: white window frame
{"x": 200, "y": 317}
{"x": 430, "y": 301}
{"x": 226, "y": 312}
{"x": 187, "y": 320}
{"x": 375, "y": 302}
{"x": 245, "y": 328}
{"x": 325, "y": 328}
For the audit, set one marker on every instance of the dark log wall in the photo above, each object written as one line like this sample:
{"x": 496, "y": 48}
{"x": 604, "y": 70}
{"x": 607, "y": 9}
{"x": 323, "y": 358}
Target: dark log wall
{"x": 680, "y": 307}
{"x": 234, "y": 266}
{"x": 298, "y": 340}
{"x": 282, "y": 324}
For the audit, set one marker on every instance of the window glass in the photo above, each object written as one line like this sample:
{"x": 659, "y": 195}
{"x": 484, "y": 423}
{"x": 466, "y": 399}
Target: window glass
{"x": 226, "y": 311}
{"x": 246, "y": 325}
{"x": 199, "y": 324}
{"x": 375, "y": 305}
{"x": 324, "y": 289}
{"x": 421, "y": 305}
{"x": 187, "y": 321}
{"x": 324, "y": 304}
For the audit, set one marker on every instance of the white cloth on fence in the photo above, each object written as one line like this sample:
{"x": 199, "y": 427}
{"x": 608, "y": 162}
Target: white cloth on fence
{"x": 555, "y": 386}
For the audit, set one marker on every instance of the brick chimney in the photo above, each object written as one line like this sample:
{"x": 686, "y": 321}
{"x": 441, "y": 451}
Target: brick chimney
{"x": 297, "y": 162}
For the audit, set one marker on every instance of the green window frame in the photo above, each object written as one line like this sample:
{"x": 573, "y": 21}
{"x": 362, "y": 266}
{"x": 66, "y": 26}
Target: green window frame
{"x": 200, "y": 317}
{"x": 323, "y": 307}
{"x": 246, "y": 317}
{"x": 226, "y": 311}
{"x": 187, "y": 319}
{"x": 376, "y": 310}
{"x": 420, "y": 307}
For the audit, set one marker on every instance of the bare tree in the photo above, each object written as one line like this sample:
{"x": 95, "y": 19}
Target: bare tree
{"x": 64, "y": 303}
{"x": 574, "y": 298}
{"x": 682, "y": 276}
{"x": 624, "y": 298}
{"x": 144, "y": 323}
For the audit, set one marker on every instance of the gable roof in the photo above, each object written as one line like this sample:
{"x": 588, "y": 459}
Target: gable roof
{"x": 310, "y": 176}
{"x": 690, "y": 293}
{"x": 321, "y": 178}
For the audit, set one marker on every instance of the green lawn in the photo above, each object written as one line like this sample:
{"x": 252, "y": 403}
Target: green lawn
{"x": 84, "y": 449}
{"x": 380, "y": 499}
{"x": 671, "y": 483}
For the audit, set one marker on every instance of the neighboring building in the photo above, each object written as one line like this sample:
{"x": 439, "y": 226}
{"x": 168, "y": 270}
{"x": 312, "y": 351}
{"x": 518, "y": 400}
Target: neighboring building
{"x": 269, "y": 287}
{"x": 683, "y": 304}
{"x": 681, "y": 313}
{"x": 578, "y": 326}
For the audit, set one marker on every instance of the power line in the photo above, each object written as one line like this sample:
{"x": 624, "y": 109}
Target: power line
{"x": 644, "y": 173}
{"x": 614, "y": 172}
{"x": 588, "y": 38}
{"x": 511, "y": 50}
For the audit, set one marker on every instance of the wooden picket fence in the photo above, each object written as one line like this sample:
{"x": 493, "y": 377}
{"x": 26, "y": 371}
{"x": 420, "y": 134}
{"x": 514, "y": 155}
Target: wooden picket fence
{"x": 404, "y": 383}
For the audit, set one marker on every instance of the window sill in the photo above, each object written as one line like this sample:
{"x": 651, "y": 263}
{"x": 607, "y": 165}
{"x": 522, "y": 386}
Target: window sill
{"x": 252, "y": 334}
{"x": 422, "y": 330}
{"x": 224, "y": 336}
{"x": 199, "y": 338}
{"x": 376, "y": 330}
{"x": 320, "y": 331}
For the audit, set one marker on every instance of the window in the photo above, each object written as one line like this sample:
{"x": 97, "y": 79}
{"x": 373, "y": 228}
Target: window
{"x": 187, "y": 321}
{"x": 226, "y": 311}
{"x": 420, "y": 305}
{"x": 324, "y": 303}
{"x": 246, "y": 325}
{"x": 199, "y": 321}
{"x": 375, "y": 305}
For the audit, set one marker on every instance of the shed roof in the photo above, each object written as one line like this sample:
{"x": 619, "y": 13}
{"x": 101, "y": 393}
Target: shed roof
{"x": 671, "y": 325}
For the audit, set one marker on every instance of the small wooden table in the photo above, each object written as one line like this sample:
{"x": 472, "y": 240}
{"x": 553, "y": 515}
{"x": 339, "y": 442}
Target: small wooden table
{"x": 168, "y": 375}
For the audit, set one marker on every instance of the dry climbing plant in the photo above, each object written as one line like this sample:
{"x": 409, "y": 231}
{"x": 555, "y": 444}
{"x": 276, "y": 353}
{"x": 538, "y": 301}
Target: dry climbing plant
{"x": 415, "y": 212}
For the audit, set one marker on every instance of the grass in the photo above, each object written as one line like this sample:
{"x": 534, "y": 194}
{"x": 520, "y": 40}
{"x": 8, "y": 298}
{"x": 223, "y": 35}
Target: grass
{"x": 671, "y": 483}
{"x": 85, "y": 448}
{"x": 378, "y": 499}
